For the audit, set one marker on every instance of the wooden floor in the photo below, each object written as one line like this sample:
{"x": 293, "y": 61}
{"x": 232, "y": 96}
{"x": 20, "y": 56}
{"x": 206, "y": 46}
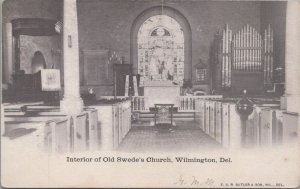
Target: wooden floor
{"x": 183, "y": 137}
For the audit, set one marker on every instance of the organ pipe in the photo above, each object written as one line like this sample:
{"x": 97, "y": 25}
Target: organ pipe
{"x": 268, "y": 56}
{"x": 246, "y": 51}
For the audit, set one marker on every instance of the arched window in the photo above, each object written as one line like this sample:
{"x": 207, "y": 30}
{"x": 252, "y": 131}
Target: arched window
{"x": 161, "y": 49}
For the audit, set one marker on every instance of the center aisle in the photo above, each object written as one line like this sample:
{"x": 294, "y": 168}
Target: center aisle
{"x": 183, "y": 137}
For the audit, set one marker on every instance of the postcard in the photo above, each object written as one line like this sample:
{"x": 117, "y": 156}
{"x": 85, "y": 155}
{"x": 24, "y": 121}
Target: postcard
{"x": 150, "y": 94}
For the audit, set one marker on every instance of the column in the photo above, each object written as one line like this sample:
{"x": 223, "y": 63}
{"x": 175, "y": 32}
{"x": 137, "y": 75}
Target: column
{"x": 291, "y": 98}
{"x": 71, "y": 103}
{"x": 8, "y": 53}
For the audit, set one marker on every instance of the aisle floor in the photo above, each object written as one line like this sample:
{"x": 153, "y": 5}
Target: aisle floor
{"x": 185, "y": 136}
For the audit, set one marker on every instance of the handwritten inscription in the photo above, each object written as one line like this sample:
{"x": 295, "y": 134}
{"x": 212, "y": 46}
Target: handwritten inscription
{"x": 193, "y": 181}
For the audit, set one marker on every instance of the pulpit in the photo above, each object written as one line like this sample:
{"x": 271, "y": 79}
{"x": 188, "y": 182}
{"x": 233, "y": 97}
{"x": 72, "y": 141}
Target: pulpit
{"x": 43, "y": 85}
{"x": 161, "y": 92}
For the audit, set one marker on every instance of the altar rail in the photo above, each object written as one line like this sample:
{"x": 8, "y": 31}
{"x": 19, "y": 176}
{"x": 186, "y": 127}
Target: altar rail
{"x": 187, "y": 103}
{"x": 184, "y": 103}
{"x": 266, "y": 126}
{"x": 113, "y": 97}
{"x": 138, "y": 103}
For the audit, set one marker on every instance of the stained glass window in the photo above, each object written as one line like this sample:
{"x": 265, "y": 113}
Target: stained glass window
{"x": 161, "y": 49}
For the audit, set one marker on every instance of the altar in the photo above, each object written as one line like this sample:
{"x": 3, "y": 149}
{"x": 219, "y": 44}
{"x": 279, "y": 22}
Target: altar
{"x": 161, "y": 92}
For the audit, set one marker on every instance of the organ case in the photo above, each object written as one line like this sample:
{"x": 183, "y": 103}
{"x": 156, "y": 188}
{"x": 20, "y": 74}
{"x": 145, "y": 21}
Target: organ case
{"x": 243, "y": 60}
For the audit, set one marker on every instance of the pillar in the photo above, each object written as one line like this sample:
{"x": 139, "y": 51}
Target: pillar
{"x": 71, "y": 102}
{"x": 291, "y": 98}
{"x": 8, "y": 53}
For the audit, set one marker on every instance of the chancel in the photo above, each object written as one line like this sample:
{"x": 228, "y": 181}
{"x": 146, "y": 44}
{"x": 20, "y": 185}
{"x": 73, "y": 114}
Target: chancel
{"x": 98, "y": 75}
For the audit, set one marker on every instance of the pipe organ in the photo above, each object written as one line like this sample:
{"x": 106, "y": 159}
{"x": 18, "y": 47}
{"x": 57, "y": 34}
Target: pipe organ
{"x": 268, "y": 56}
{"x": 247, "y": 46}
{"x": 226, "y": 58}
{"x": 245, "y": 59}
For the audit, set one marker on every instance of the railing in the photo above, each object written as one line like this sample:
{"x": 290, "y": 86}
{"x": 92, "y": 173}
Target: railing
{"x": 184, "y": 103}
{"x": 187, "y": 103}
{"x": 139, "y": 103}
{"x": 113, "y": 97}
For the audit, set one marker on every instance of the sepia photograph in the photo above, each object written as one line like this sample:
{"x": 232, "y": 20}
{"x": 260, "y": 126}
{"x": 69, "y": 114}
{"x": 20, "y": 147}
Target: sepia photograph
{"x": 150, "y": 93}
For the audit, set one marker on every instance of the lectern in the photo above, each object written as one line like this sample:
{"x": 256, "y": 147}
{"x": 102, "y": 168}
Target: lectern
{"x": 163, "y": 114}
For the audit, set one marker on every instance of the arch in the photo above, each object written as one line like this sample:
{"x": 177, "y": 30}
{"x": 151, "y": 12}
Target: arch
{"x": 175, "y": 14}
{"x": 38, "y": 62}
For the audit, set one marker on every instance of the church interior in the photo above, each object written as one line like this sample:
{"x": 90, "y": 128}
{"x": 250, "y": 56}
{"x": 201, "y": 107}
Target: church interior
{"x": 135, "y": 75}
